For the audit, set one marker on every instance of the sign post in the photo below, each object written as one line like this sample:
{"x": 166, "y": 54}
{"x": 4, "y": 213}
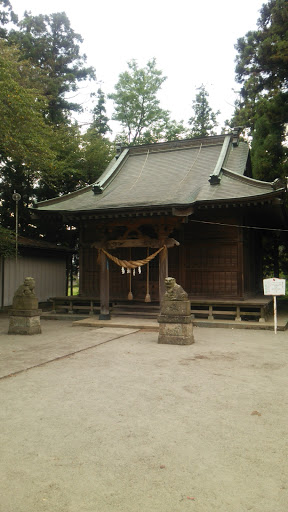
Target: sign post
{"x": 274, "y": 286}
{"x": 16, "y": 197}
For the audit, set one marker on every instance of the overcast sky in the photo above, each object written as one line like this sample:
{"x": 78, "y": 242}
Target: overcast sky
{"x": 193, "y": 43}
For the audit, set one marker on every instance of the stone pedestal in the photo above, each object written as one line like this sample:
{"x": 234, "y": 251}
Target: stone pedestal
{"x": 175, "y": 320}
{"x": 25, "y": 315}
{"x": 25, "y": 321}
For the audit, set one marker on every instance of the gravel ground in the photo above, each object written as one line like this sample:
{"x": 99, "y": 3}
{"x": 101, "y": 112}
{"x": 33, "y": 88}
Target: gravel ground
{"x": 107, "y": 420}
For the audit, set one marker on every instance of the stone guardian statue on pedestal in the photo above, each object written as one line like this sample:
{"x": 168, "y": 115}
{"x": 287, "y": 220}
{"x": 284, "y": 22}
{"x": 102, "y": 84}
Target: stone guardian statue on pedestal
{"x": 25, "y": 315}
{"x": 175, "y": 320}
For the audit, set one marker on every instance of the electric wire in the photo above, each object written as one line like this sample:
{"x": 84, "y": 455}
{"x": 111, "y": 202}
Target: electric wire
{"x": 238, "y": 225}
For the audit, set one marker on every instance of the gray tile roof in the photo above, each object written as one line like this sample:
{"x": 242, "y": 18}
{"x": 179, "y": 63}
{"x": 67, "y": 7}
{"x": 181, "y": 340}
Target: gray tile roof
{"x": 41, "y": 244}
{"x": 168, "y": 174}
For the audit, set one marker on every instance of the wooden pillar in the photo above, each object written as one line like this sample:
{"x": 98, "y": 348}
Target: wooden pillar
{"x": 163, "y": 271}
{"x": 104, "y": 288}
{"x": 81, "y": 255}
{"x": 67, "y": 275}
{"x": 71, "y": 276}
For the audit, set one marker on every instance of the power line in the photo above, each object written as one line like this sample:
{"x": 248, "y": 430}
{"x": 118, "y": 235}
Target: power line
{"x": 238, "y": 226}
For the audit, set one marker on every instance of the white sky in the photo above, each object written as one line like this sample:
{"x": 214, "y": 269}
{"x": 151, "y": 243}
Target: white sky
{"x": 192, "y": 41}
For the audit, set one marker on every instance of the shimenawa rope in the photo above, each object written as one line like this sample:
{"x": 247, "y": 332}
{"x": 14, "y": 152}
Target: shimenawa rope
{"x": 132, "y": 263}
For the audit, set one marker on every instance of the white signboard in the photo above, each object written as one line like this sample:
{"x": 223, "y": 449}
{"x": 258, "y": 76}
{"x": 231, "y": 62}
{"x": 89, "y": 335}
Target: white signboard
{"x": 274, "y": 286}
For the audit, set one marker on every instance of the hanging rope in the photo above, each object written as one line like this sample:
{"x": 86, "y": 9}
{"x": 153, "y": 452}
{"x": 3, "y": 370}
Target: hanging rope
{"x": 130, "y": 294}
{"x": 132, "y": 264}
{"x": 147, "y": 297}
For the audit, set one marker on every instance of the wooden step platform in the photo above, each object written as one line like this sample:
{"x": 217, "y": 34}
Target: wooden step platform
{"x": 253, "y": 309}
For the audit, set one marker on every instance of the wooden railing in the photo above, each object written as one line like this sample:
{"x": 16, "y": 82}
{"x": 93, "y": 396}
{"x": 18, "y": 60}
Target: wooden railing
{"x": 210, "y": 310}
{"x": 238, "y": 312}
{"x": 74, "y": 304}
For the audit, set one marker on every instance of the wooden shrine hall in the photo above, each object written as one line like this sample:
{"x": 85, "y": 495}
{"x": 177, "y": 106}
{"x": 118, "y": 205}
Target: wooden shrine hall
{"x": 188, "y": 209}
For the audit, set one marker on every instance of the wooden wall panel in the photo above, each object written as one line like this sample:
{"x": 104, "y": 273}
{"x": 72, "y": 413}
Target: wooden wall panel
{"x": 212, "y": 261}
{"x": 89, "y": 275}
{"x": 49, "y": 274}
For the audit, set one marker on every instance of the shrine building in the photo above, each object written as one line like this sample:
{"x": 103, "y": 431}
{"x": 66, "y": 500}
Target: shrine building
{"x": 188, "y": 209}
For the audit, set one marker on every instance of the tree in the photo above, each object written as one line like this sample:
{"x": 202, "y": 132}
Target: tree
{"x": 24, "y": 134}
{"x": 97, "y": 150}
{"x": 262, "y": 108}
{"x": 66, "y": 175}
{"x": 41, "y": 151}
{"x": 7, "y": 243}
{"x": 204, "y": 120}
{"x": 261, "y": 69}
{"x": 163, "y": 130}
{"x": 268, "y": 149}
{"x": 53, "y": 46}
{"x": 97, "y": 153}
{"x": 37, "y": 159}
{"x": 100, "y": 120}
{"x": 43, "y": 154}
{"x": 7, "y": 15}
{"x": 136, "y": 103}
{"x": 262, "y": 59}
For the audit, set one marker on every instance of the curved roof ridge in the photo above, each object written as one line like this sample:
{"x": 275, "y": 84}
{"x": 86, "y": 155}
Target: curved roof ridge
{"x": 252, "y": 181}
{"x": 215, "y": 177}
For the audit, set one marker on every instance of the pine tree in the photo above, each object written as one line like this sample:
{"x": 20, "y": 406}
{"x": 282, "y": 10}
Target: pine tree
{"x": 53, "y": 46}
{"x": 100, "y": 120}
{"x": 204, "y": 120}
{"x": 262, "y": 71}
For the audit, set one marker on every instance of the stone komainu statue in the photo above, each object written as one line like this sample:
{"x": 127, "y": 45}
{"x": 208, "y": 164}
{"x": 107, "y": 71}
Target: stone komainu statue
{"x": 173, "y": 290}
{"x": 24, "y": 297}
{"x": 175, "y": 320}
{"x": 25, "y": 315}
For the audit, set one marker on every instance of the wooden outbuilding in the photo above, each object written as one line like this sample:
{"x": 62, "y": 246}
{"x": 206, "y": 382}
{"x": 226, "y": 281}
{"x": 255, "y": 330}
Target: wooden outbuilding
{"x": 47, "y": 263}
{"x": 188, "y": 209}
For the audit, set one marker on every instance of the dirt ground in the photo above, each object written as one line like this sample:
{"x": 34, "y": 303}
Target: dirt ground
{"x": 107, "y": 420}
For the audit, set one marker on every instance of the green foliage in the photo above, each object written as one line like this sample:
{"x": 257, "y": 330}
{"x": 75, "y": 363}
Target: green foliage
{"x": 136, "y": 103}
{"x": 204, "y": 120}
{"x": 80, "y": 159}
{"x": 97, "y": 152}
{"x": 24, "y": 135}
{"x": 42, "y": 154}
{"x": 262, "y": 59}
{"x": 261, "y": 69}
{"x": 268, "y": 151}
{"x": 7, "y": 243}
{"x": 66, "y": 174}
{"x": 53, "y": 46}
{"x": 100, "y": 120}
{"x": 7, "y": 15}
{"x": 19, "y": 177}
{"x": 174, "y": 130}
{"x": 164, "y": 130}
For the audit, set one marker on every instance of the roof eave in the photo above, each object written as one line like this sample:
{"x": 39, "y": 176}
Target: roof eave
{"x": 168, "y": 209}
{"x": 61, "y": 199}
